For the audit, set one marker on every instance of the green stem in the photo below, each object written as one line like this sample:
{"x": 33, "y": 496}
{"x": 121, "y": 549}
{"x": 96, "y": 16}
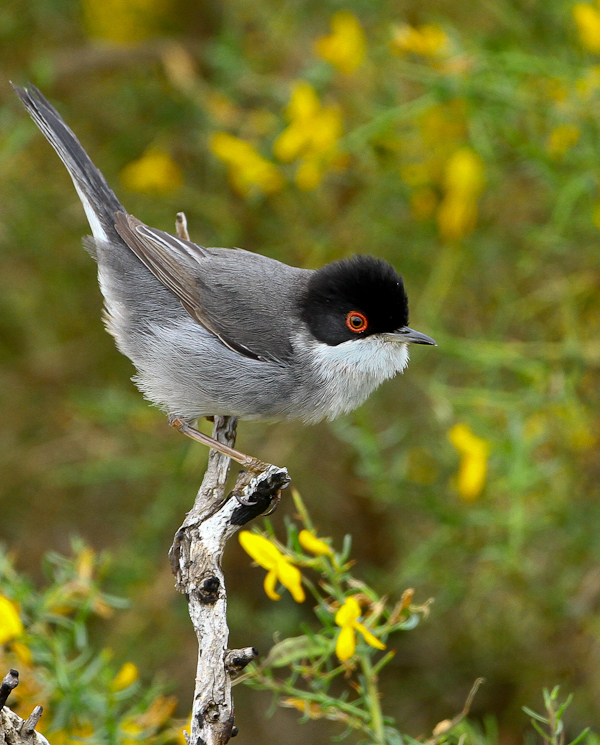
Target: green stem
{"x": 373, "y": 700}
{"x": 261, "y": 681}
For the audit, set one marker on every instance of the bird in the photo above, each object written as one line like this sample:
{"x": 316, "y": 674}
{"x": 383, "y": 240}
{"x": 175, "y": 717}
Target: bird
{"x": 228, "y": 332}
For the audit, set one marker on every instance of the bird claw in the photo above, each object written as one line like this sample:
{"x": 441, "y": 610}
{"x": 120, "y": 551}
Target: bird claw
{"x": 259, "y": 493}
{"x": 245, "y": 501}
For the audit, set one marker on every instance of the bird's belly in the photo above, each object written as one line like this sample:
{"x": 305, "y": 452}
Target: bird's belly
{"x": 188, "y": 372}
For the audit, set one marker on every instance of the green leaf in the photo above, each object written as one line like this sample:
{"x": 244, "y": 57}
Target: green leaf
{"x": 296, "y": 648}
{"x": 580, "y": 737}
{"x": 532, "y": 714}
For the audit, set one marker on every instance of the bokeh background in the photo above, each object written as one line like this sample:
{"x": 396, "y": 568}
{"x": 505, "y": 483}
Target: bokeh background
{"x": 458, "y": 140}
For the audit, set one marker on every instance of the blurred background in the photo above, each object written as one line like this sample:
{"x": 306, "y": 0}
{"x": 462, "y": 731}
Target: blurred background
{"x": 459, "y": 141}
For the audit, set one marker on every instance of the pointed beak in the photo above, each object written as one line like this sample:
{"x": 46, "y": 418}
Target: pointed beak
{"x": 414, "y": 337}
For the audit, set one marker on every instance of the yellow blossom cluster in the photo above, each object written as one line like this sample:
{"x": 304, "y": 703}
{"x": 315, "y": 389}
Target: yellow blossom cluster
{"x": 587, "y": 20}
{"x": 463, "y": 184}
{"x": 311, "y": 136}
{"x": 562, "y": 138}
{"x": 344, "y": 48}
{"x": 247, "y": 169}
{"x": 155, "y": 172}
{"x": 474, "y": 454}
{"x": 424, "y": 149}
{"x": 124, "y": 21}
{"x": 428, "y": 40}
{"x": 279, "y": 567}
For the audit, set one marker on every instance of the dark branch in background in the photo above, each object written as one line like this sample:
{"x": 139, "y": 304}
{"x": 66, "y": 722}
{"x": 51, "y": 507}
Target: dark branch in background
{"x": 196, "y": 560}
{"x": 13, "y": 729}
{"x": 10, "y": 682}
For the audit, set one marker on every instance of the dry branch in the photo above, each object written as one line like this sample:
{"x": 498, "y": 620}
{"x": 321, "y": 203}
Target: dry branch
{"x": 13, "y": 729}
{"x": 196, "y": 559}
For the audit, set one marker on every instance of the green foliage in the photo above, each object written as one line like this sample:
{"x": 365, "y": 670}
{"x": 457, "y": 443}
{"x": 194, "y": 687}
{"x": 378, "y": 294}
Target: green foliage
{"x": 509, "y": 291}
{"x": 320, "y": 660}
{"x": 86, "y": 698}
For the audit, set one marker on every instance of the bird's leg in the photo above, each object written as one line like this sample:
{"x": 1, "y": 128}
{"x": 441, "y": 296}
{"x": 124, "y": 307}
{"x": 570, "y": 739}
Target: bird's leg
{"x": 252, "y": 464}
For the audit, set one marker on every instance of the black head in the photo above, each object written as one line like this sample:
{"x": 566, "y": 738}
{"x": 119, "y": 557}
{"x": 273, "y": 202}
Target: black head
{"x": 354, "y": 298}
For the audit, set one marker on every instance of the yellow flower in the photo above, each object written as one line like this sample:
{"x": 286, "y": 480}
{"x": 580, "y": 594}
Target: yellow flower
{"x": 347, "y": 617}
{"x": 72, "y": 736}
{"x": 589, "y": 83}
{"x": 561, "y": 139}
{"x": 311, "y": 136}
{"x": 159, "y": 712}
{"x": 278, "y": 566}
{"x": 313, "y": 129}
{"x": 22, "y": 653}
{"x": 312, "y": 544}
{"x": 11, "y": 626}
{"x": 126, "y": 676}
{"x": 428, "y": 40}
{"x": 463, "y": 182}
{"x": 344, "y": 48}
{"x": 131, "y": 731}
{"x": 246, "y": 167}
{"x": 587, "y": 20}
{"x": 124, "y": 21}
{"x": 474, "y": 453}
{"x": 155, "y": 172}
{"x": 85, "y": 564}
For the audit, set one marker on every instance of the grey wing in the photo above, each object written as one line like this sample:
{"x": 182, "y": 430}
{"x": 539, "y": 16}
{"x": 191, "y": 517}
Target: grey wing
{"x": 244, "y": 299}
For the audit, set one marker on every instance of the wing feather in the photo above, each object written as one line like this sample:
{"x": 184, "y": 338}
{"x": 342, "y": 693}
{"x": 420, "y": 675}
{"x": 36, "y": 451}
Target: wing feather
{"x": 172, "y": 261}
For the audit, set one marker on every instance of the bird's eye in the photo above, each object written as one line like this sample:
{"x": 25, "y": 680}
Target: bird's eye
{"x": 356, "y": 321}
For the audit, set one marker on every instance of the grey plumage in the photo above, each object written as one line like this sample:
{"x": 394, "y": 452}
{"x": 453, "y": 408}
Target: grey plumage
{"x": 212, "y": 330}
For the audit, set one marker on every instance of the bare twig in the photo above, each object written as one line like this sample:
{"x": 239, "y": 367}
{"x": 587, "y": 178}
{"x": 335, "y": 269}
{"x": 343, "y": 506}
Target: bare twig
{"x": 196, "y": 557}
{"x": 10, "y": 682}
{"x": 13, "y": 730}
{"x": 443, "y": 727}
{"x": 181, "y": 226}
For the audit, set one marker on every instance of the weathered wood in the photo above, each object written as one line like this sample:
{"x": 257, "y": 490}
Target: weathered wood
{"x": 196, "y": 560}
{"x": 13, "y": 729}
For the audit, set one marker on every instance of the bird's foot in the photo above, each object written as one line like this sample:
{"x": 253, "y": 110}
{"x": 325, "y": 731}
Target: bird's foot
{"x": 258, "y": 494}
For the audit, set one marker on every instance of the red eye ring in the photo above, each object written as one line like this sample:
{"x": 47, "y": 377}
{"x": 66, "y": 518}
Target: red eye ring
{"x": 357, "y": 321}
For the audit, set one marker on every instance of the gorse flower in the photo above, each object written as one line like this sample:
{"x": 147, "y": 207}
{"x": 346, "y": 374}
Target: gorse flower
{"x": 154, "y": 173}
{"x": 312, "y": 544}
{"x": 124, "y": 21}
{"x": 428, "y": 40}
{"x": 278, "y": 566}
{"x": 463, "y": 183}
{"x": 347, "y": 618}
{"x": 311, "y": 136}
{"x": 587, "y": 20}
{"x": 562, "y": 138}
{"x": 474, "y": 454}
{"x": 11, "y": 626}
{"x": 126, "y": 676}
{"x": 247, "y": 168}
{"x": 344, "y": 48}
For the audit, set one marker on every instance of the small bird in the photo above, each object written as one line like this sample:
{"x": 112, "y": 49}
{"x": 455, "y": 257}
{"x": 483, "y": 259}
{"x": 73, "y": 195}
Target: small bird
{"x": 220, "y": 331}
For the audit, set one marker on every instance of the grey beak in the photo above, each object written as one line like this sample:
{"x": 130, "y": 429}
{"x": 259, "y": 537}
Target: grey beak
{"x": 414, "y": 337}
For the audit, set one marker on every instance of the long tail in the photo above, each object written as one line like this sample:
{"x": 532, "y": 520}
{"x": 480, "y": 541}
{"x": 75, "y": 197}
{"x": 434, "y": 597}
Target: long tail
{"x": 98, "y": 199}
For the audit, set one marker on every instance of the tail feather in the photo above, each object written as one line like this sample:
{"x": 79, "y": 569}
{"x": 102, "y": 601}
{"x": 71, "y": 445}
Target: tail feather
{"x": 98, "y": 199}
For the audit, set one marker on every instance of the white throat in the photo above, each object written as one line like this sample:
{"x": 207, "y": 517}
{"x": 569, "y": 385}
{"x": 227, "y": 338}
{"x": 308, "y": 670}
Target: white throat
{"x": 349, "y": 372}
